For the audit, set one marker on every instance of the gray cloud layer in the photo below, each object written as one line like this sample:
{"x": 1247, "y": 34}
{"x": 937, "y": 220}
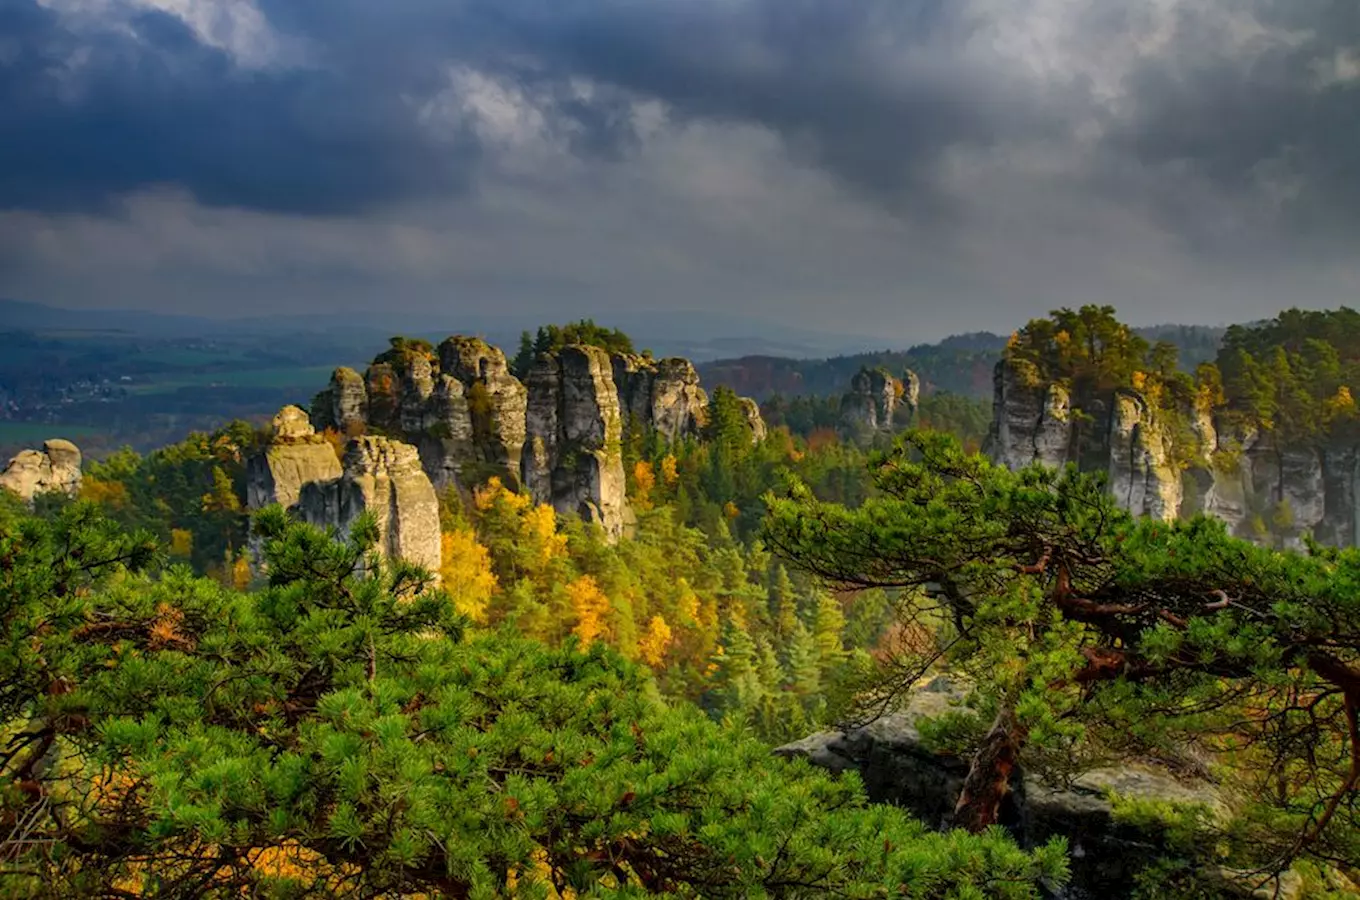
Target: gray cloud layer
{"x": 920, "y": 164}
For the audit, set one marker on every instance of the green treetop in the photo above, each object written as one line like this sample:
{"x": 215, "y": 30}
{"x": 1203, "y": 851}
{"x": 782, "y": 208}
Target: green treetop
{"x": 336, "y": 735}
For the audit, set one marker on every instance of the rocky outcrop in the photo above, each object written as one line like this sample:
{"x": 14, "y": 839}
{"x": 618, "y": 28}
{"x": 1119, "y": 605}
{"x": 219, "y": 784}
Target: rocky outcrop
{"x": 573, "y": 458}
{"x": 664, "y": 396}
{"x": 1106, "y": 853}
{"x": 750, "y": 410}
{"x": 1031, "y": 421}
{"x": 299, "y": 470}
{"x": 875, "y": 398}
{"x": 295, "y": 456}
{"x": 469, "y": 418}
{"x": 384, "y": 477}
{"x": 496, "y": 401}
{"x": 1144, "y": 475}
{"x": 1259, "y": 489}
{"x": 55, "y": 469}
{"x": 343, "y": 406}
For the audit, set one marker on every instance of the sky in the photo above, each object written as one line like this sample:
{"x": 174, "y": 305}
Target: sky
{"x": 897, "y": 168}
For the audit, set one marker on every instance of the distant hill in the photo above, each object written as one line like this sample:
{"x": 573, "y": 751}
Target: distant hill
{"x": 961, "y": 364}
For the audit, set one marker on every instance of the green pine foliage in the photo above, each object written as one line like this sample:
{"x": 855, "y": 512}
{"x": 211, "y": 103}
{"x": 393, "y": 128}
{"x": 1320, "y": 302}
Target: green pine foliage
{"x": 337, "y": 733}
{"x": 1090, "y": 634}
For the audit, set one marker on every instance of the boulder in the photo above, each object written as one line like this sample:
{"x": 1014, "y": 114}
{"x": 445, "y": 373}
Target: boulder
{"x": 55, "y": 469}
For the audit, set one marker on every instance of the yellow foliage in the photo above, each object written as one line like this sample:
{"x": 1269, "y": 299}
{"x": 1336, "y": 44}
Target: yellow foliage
{"x": 465, "y": 569}
{"x": 687, "y": 603}
{"x": 645, "y": 480}
{"x": 730, "y": 510}
{"x": 591, "y": 607}
{"x": 670, "y": 472}
{"x": 540, "y": 529}
{"x": 1341, "y": 403}
{"x": 654, "y": 643}
{"x": 1140, "y": 381}
{"x": 240, "y": 573}
{"x": 181, "y": 542}
{"x": 111, "y": 494}
{"x": 494, "y": 492}
{"x": 1062, "y": 339}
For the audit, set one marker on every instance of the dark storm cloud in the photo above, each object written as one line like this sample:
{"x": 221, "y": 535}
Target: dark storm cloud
{"x": 870, "y": 90}
{"x": 1274, "y": 115}
{"x": 1216, "y": 134}
{"x": 86, "y": 116}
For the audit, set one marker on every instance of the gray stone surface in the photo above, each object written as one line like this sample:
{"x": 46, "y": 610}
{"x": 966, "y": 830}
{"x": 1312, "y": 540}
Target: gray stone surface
{"x": 55, "y": 469}
{"x": 574, "y": 455}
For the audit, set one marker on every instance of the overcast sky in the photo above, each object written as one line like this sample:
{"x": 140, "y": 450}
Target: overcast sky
{"x": 901, "y": 168}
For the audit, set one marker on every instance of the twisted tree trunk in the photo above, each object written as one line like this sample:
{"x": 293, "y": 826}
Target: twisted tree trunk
{"x": 989, "y": 776}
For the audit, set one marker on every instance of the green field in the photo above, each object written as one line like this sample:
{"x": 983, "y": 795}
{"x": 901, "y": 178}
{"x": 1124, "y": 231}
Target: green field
{"x": 309, "y": 378}
{"x": 36, "y": 432}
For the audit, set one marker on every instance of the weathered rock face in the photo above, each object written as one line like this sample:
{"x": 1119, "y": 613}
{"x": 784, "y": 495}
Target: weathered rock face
{"x": 299, "y": 470}
{"x": 750, "y": 409}
{"x": 871, "y": 402}
{"x": 496, "y": 400}
{"x": 1144, "y": 476}
{"x": 296, "y": 456}
{"x": 382, "y": 476}
{"x": 1106, "y": 855}
{"x": 469, "y": 418}
{"x": 55, "y": 469}
{"x": 1260, "y": 490}
{"x": 1031, "y": 421}
{"x": 574, "y": 458}
{"x": 343, "y": 405}
{"x": 664, "y": 395}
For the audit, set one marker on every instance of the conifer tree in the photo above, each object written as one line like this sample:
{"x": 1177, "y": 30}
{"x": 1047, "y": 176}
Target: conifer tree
{"x": 1080, "y": 622}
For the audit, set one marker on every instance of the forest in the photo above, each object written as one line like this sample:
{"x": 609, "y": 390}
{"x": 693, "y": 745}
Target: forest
{"x": 205, "y": 700}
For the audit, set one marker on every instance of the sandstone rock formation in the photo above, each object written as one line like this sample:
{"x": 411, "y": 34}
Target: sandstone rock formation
{"x": 53, "y": 469}
{"x": 295, "y": 456}
{"x": 574, "y": 457}
{"x": 662, "y": 395}
{"x": 1258, "y": 488}
{"x": 382, "y": 476}
{"x": 875, "y": 398}
{"x": 343, "y": 406}
{"x": 750, "y": 409}
{"x": 1105, "y": 855}
{"x": 560, "y": 430}
{"x": 299, "y": 470}
{"x": 1143, "y": 472}
{"x": 1031, "y": 421}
